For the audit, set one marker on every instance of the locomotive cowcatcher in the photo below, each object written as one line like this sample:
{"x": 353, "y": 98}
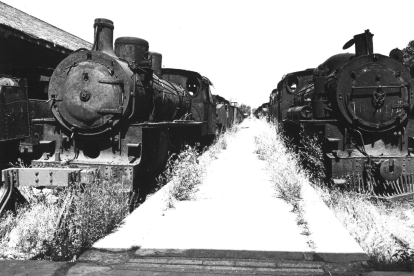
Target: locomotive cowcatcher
{"x": 361, "y": 105}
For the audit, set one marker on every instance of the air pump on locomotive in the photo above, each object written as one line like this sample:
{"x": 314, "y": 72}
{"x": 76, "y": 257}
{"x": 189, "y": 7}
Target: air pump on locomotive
{"x": 111, "y": 114}
{"x": 361, "y": 105}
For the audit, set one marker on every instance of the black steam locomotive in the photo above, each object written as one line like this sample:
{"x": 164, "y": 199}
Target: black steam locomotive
{"x": 262, "y": 111}
{"x": 113, "y": 114}
{"x": 361, "y": 105}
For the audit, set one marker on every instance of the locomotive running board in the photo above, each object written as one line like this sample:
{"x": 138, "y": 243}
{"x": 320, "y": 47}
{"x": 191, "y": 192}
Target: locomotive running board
{"x": 176, "y": 123}
{"x": 36, "y": 177}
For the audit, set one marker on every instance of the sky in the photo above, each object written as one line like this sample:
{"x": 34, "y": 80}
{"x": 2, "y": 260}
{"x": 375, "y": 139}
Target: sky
{"x": 243, "y": 47}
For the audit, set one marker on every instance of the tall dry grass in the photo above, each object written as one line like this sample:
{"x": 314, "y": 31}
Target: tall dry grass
{"x": 60, "y": 225}
{"x": 186, "y": 170}
{"x": 285, "y": 172}
{"x": 384, "y": 230}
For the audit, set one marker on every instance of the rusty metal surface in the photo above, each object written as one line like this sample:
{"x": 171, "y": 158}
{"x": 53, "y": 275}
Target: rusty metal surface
{"x": 84, "y": 89}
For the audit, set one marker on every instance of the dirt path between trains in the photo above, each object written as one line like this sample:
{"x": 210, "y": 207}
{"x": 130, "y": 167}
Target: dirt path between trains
{"x": 236, "y": 208}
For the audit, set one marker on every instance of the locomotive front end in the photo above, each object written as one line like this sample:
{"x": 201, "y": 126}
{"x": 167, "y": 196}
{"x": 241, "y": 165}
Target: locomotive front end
{"x": 360, "y": 105}
{"x": 372, "y": 95}
{"x": 91, "y": 91}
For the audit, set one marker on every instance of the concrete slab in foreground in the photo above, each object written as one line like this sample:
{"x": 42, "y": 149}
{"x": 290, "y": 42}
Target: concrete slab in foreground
{"x": 210, "y": 262}
{"x": 31, "y": 268}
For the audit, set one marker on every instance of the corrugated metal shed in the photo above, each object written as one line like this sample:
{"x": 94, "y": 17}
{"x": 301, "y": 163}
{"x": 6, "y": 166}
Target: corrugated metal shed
{"x": 20, "y": 24}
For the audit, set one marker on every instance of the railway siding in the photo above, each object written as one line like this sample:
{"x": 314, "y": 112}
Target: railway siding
{"x": 236, "y": 226}
{"x": 235, "y": 216}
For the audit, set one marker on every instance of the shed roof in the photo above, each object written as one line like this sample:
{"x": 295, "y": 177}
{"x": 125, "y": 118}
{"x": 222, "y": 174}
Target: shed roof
{"x": 30, "y": 28}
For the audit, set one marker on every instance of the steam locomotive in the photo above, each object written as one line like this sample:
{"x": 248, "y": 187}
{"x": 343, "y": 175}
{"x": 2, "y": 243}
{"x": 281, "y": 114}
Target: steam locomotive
{"x": 113, "y": 113}
{"x": 262, "y": 111}
{"x": 361, "y": 105}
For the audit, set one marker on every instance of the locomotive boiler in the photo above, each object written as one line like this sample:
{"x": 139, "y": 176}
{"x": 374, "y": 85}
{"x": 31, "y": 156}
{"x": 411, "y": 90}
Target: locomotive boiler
{"x": 362, "y": 106}
{"x": 114, "y": 117}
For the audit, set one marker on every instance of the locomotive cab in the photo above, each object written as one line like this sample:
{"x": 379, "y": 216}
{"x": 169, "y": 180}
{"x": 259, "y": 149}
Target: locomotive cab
{"x": 203, "y": 107}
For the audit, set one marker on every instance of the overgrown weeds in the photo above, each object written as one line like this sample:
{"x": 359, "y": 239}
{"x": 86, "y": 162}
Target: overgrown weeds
{"x": 185, "y": 173}
{"x": 60, "y": 225}
{"x": 285, "y": 172}
{"x": 384, "y": 230}
{"x": 186, "y": 170}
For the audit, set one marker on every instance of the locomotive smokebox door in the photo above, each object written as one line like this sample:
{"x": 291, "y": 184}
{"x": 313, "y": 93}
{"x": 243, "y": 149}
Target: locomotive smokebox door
{"x": 374, "y": 92}
{"x": 88, "y": 92}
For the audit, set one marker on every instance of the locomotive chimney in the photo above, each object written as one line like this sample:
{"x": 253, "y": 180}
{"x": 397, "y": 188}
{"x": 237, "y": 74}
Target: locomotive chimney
{"x": 156, "y": 62}
{"x": 363, "y": 43}
{"x": 104, "y": 36}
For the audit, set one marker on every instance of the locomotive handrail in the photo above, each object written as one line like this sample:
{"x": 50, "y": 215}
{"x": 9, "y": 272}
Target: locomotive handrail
{"x": 380, "y": 86}
{"x": 133, "y": 94}
{"x": 376, "y": 87}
